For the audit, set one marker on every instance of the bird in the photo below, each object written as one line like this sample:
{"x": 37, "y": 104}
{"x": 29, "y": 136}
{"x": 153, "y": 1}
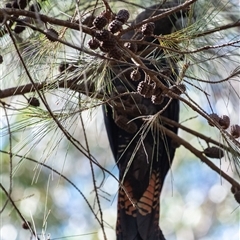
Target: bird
{"x": 142, "y": 152}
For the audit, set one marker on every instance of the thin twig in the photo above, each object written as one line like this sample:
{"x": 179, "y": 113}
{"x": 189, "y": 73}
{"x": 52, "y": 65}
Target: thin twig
{"x": 61, "y": 175}
{"x": 18, "y": 211}
{"x": 217, "y": 29}
{"x": 93, "y": 178}
{"x": 10, "y": 157}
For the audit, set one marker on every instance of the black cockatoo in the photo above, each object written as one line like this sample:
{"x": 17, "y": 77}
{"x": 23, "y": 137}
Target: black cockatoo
{"x": 142, "y": 152}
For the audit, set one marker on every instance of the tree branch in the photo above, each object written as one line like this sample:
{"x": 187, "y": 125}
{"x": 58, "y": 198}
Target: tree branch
{"x": 198, "y": 154}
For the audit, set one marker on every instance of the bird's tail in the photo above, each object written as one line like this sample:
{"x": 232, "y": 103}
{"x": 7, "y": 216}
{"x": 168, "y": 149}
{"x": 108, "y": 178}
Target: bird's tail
{"x": 139, "y": 219}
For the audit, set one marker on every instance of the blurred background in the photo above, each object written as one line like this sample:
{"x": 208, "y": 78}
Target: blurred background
{"x": 52, "y": 182}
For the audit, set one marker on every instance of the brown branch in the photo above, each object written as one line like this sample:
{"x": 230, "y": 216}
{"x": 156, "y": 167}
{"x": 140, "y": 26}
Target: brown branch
{"x": 195, "y": 133}
{"x": 27, "y": 88}
{"x": 198, "y": 154}
{"x": 6, "y": 12}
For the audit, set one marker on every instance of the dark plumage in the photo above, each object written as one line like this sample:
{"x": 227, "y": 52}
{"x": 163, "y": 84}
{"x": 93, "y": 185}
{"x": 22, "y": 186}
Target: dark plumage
{"x": 142, "y": 152}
